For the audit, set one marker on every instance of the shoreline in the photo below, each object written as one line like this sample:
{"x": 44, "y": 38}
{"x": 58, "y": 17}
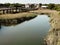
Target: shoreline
{"x": 27, "y": 14}
{"x": 14, "y": 21}
{"x": 52, "y": 38}
{"x": 17, "y": 15}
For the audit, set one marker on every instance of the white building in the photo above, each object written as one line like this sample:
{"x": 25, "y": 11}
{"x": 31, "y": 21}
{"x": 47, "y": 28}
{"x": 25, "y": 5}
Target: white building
{"x": 44, "y": 7}
{"x": 27, "y": 5}
{"x": 35, "y": 6}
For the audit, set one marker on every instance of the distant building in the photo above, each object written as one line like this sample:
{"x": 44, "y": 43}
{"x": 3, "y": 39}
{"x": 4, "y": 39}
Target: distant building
{"x": 37, "y": 5}
{"x": 32, "y": 6}
{"x": 44, "y": 7}
{"x": 27, "y": 5}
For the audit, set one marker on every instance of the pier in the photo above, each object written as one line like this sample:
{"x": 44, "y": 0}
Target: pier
{"x": 12, "y": 10}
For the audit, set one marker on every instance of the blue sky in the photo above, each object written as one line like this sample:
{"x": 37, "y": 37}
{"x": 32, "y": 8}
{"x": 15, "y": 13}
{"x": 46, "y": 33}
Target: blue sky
{"x": 29, "y": 1}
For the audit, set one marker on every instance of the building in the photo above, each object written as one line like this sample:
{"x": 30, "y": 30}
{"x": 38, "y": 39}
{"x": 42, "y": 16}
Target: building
{"x": 44, "y": 7}
{"x": 37, "y": 6}
{"x": 27, "y": 5}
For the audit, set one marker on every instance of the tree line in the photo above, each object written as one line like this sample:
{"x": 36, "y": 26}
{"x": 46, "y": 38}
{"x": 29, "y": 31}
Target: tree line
{"x": 53, "y": 6}
{"x": 50, "y": 6}
{"x": 10, "y": 5}
{"x": 16, "y": 5}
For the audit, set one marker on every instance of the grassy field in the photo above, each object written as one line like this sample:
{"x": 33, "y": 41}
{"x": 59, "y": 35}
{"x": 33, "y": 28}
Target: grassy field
{"x": 17, "y": 15}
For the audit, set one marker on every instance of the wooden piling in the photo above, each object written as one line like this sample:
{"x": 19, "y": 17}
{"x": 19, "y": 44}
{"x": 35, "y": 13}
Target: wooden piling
{"x": 3, "y": 11}
{"x": 7, "y": 11}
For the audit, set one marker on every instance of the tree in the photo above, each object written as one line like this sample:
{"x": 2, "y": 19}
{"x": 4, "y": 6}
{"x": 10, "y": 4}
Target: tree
{"x": 6, "y": 5}
{"x": 51, "y": 6}
{"x": 32, "y": 6}
{"x": 40, "y": 4}
{"x": 1, "y": 5}
{"x": 18, "y": 5}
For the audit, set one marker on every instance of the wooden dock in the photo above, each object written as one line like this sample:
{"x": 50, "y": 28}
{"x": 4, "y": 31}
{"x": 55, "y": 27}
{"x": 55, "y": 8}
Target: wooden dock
{"x": 12, "y": 10}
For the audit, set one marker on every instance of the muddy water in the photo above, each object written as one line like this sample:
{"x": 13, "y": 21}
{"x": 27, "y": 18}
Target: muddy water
{"x": 30, "y": 32}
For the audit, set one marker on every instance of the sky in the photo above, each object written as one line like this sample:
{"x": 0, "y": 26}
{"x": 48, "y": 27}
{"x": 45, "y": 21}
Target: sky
{"x": 30, "y": 1}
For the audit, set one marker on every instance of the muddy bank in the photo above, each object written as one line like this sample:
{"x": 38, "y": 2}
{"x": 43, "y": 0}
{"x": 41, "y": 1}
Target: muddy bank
{"x": 53, "y": 36}
{"x": 8, "y": 22}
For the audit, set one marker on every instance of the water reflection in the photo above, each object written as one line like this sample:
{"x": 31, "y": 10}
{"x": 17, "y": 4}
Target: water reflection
{"x": 27, "y": 33}
{"x": 0, "y": 26}
{"x": 9, "y": 22}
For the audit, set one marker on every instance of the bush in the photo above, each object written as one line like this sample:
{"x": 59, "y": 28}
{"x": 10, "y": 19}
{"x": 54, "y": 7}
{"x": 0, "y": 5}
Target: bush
{"x": 57, "y": 8}
{"x": 51, "y": 6}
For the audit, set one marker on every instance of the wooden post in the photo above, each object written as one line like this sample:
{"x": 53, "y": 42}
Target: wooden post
{"x": 3, "y": 11}
{"x": 16, "y": 9}
{"x": 7, "y": 11}
{"x": 19, "y": 9}
{"x": 11, "y": 10}
{"x": 0, "y": 11}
